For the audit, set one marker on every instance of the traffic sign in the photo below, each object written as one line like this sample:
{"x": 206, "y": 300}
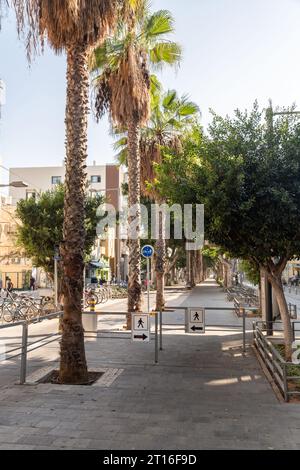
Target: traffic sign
{"x": 140, "y": 327}
{"x": 147, "y": 251}
{"x": 195, "y": 320}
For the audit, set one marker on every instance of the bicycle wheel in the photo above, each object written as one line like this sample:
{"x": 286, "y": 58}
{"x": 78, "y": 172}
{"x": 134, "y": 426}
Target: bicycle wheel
{"x": 9, "y": 310}
{"x": 48, "y": 307}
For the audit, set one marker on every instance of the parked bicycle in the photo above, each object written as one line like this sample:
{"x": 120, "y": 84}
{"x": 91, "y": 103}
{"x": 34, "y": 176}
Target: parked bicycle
{"x": 19, "y": 307}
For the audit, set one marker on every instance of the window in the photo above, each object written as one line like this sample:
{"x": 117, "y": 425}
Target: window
{"x": 96, "y": 179}
{"x": 30, "y": 193}
{"x": 56, "y": 179}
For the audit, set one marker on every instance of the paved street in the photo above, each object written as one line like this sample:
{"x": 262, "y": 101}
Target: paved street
{"x": 203, "y": 394}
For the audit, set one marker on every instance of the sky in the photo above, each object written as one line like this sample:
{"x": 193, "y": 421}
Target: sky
{"x": 235, "y": 51}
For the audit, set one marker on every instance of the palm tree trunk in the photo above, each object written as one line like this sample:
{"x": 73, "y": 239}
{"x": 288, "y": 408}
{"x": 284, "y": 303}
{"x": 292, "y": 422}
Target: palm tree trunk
{"x": 134, "y": 222}
{"x": 73, "y": 366}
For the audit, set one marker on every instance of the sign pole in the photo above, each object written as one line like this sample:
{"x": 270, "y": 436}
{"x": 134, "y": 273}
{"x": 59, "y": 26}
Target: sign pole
{"x": 148, "y": 252}
{"x": 55, "y": 283}
{"x": 148, "y": 283}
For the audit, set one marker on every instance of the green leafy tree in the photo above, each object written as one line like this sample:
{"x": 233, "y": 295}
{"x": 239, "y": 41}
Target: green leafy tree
{"x": 41, "y": 226}
{"x": 121, "y": 71}
{"x": 247, "y": 174}
{"x": 251, "y": 270}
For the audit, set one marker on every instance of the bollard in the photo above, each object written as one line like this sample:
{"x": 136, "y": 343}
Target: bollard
{"x": 92, "y": 304}
{"x": 244, "y": 330}
{"x": 156, "y": 338}
{"x": 160, "y": 330}
{"x": 24, "y": 354}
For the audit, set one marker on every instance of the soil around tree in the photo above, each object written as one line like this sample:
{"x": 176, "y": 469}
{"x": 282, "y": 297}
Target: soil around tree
{"x": 53, "y": 378}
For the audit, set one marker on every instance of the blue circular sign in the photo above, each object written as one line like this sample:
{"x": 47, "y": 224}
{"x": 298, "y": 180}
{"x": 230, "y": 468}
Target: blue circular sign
{"x": 147, "y": 251}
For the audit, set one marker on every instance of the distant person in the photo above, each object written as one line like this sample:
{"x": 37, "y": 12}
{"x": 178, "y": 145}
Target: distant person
{"x": 32, "y": 283}
{"x": 9, "y": 285}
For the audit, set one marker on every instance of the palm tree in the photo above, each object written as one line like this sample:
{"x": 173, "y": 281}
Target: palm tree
{"x": 171, "y": 117}
{"x": 72, "y": 26}
{"x": 120, "y": 68}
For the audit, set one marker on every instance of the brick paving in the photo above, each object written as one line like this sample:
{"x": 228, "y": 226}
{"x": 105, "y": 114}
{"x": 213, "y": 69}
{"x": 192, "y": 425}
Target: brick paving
{"x": 203, "y": 394}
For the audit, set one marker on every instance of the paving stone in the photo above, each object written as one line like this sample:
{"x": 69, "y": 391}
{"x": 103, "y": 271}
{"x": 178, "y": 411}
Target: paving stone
{"x": 203, "y": 394}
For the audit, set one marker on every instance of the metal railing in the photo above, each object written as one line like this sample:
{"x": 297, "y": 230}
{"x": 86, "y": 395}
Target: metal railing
{"x": 279, "y": 369}
{"x": 27, "y": 347}
{"x": 242, "y": 311}
{"x": 157, "y": 331}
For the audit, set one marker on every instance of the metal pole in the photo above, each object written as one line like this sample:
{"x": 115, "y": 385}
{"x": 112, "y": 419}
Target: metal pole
{"x": 285, "y": 385}
{"x": 160, "y": 330}
{"x": 24, "y": 354}
{"x": 156, "y": 338}
{"x": 55, "y": 283}
{"x": 244, "y": 330}
{"x": 293, "y": 328}
{"x": 148, "y": 283}
{"x": 118, "y": 253}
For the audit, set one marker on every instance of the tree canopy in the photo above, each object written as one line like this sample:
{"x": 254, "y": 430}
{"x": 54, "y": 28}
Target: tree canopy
{"x": 41, "y": 227}
{"x": 246, "y": 172}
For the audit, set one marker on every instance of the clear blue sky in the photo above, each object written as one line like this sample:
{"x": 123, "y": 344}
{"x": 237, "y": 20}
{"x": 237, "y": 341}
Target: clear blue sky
{"x": 234, "y": 52}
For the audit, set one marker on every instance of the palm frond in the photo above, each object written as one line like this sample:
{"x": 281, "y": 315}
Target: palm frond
{"x": 158, "y": 24}
{"x": 166, "y": 53}
{"x": 65, "y": 22}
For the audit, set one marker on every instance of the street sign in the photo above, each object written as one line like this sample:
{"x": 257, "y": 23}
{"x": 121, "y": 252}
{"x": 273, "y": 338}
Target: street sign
{"x": 147, "y": 251}
{"x": 140, "y": 332}
{"x": 195, "y": 320}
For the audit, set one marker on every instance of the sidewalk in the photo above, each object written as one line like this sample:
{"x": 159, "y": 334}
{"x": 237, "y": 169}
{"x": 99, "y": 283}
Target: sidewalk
{"x": 203, "y": 394}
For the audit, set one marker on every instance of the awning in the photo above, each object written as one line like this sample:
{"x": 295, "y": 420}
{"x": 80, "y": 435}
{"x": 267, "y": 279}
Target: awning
{"x": 98, "y": 264}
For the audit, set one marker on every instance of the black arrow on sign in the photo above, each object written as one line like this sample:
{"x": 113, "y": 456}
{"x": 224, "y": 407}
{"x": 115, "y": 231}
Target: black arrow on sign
{"x": 143, "y": 337}
{"x": 194, "y": 328}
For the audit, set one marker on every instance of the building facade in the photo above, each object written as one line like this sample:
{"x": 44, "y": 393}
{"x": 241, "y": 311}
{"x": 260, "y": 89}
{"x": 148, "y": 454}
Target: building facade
{"x": 13, "y": 262}
{"x": 105, "y": 180}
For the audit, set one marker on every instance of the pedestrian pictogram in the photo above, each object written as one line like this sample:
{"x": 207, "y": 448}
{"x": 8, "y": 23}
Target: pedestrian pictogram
{"x": 195, "y": 320}
{"x": 140, "y": 327}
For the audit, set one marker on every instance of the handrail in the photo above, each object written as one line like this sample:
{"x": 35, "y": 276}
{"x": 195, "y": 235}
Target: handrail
{"x": 275, "y": 363}
{"x": 25, "y": 347}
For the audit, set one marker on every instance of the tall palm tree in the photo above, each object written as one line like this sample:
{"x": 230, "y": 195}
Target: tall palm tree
{"x": 121, "y": 71}
{"x": 72, "y": 26}
{"x": 171, "y": 117}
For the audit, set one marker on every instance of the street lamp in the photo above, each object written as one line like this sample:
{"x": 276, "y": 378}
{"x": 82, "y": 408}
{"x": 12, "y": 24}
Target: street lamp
{"x": 15, "y": 184}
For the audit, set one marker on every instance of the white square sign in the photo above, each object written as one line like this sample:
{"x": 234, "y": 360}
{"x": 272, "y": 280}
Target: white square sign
{"x": 140, "y": 332}
{"x": 196, "y": 316}
{"x": 195, "y": 320}
{"x": 140, "y": 322}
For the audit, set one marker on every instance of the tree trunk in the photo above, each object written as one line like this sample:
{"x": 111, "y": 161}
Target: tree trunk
{"x": 160, "y": 263}
{"x": 134, "y": 199}
{"x": 192, "y": 269}
{"x": 284, "y": 313}
{"x": 73, "y": 366}
{"x": 188, "y": 268}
